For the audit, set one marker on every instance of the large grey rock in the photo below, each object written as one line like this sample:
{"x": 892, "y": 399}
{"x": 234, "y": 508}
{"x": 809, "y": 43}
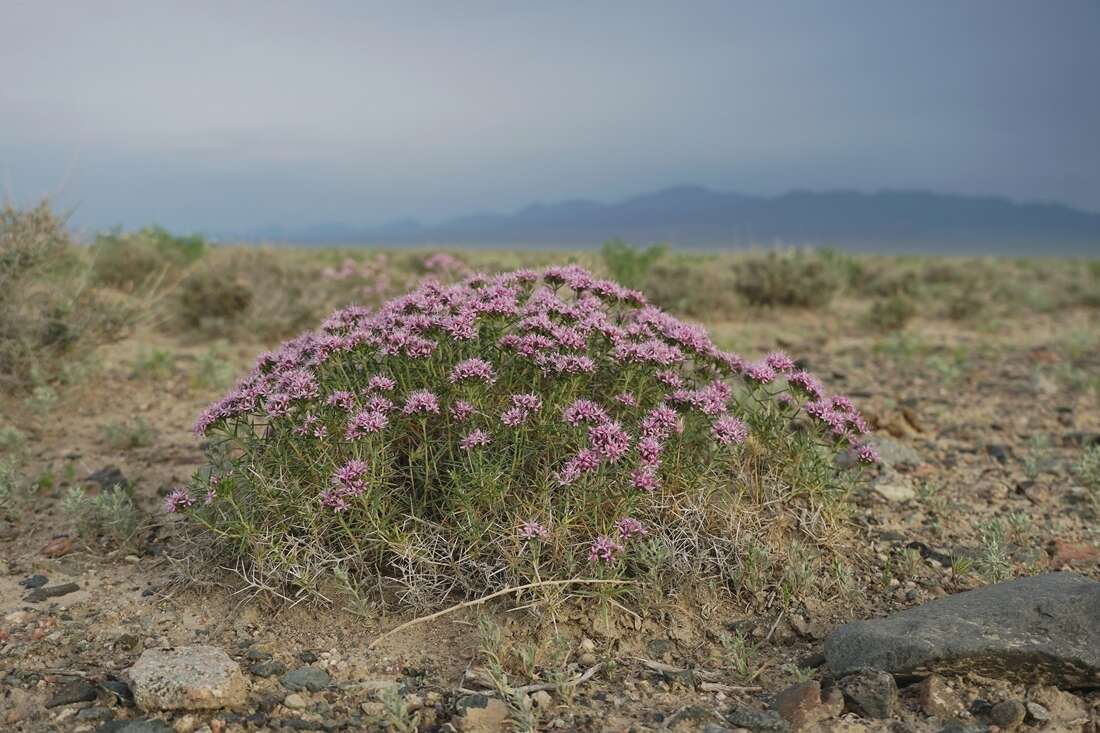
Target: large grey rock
{"x": 187, "y": 678}
{"x": 1040, "y": 629}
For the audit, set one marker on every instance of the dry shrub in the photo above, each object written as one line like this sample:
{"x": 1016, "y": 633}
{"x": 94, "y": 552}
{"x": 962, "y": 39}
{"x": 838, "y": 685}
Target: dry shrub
{"x": 793, "y": 278}
{"x": 49, "y": 315}
{"x": 131, "y": 261}
{"x": 699, "y": 289}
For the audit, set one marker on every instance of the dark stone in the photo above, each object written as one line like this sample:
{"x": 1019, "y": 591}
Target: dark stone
{"x": 34, "y": 581}
{"x": 475, "y": 700}
{"x": 308, "y": 657}
{"x": 998, "y": 452}
{"x": 270, "y": 668}
{"x": 693, "y": 716}
{"x": 957, "y": 726}
{"x": 67, "y": 694}
{"x": 1008, "y": 714}
{"x": 306, "y": 678}
{"x": 95, "y": 712}
{"x": 870, "y": 693}
{"x": 120, "y": 691}
{"x": 52, "y": 591}
{"x": 299, "y": 724}
{"x": 257, "y": 655}
{"x": 1041, "y": 629}
{"x": 109, "y": 478}
{"x": 758, "y": 721}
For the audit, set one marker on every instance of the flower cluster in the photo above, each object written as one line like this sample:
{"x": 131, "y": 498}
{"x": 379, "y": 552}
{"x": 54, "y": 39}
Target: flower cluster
{"x": 482, "y": 403}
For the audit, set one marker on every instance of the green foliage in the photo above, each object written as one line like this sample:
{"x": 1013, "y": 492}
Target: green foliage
{"x": 129, "y": 434}
{"x": 109, "y": 513}
{"x": 793, "y": 278}
{"x": 629, "y": 265}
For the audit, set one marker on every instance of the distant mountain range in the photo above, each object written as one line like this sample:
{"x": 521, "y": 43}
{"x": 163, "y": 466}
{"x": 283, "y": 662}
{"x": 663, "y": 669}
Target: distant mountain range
{"x": 691, "y": 216}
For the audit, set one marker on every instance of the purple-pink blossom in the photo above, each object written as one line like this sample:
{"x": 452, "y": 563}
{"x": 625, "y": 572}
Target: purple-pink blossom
{"x": 380, "y": 383}
{"x": 421, "y": 401}
{"x": 364, "y": 423}
{"x": 461, "y": 410}
{"x": 532, "y": 530}
{"x": 867, "y": 453}
{"x": 341, "y": 398}
{"x": 604, "y": 549}
{"x": 609, "y": 440}
{"x": 628, "y": 528}
{"x": 729, "y": 430}
{"x": 474, "y": 439}
{"x": 583, "y": 411}
{"x": 645, "y": 479}
{"x": 476, "y": 369}
{"x": 177, "y": 499}
{"x": 514, "y": 416}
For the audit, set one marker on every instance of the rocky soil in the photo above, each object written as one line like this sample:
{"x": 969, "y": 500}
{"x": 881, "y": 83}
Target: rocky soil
{"x": 979, "y": 426}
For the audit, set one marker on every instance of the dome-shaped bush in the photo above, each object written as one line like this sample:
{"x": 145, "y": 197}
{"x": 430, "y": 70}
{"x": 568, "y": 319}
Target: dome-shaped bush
{"x": 530, "y": 425}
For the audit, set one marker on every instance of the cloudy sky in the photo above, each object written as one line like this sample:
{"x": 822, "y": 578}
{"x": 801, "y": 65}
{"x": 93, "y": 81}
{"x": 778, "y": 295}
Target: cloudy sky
{"x": 221, "y": 116}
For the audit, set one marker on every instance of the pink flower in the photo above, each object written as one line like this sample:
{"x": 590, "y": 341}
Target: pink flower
{"x": 364, "y": 423}
{"x": 349, "y": 479}
{"x": 762, "y": 373}
{"x": 585, "y": 461}
{"x": 628, "y": 527}
{"x": 532, "y": 530}
{"x": 645, "y": 479}
{"x": 728, "y": 430}
{"x": 649, "y": 450}
{"x": 670, "y": 378}
{"x": 583, "y": 411}
{"x": 478, "y": 369}
{"x": 779, "y": 361}
{"x": 604, "y": 549}
{"x": 627, "y": 399}
{"x": 379, "y": 404}
{"x": 866, "y": 453}
{"x": 609, "y": 440}
{"x": 660, "y": 422}
{"x": 474, "y": 439}
{"x": 421, "y": 401}
{"x": 380, "y": 383}
{"x": 528, "y": 401}
{"x": 343, "y": 399}
{"x": 177, "y": 499}
{"x": 807, "y": 383}
{"x": 514, "y": 416}
{"x": 461, "y": 410}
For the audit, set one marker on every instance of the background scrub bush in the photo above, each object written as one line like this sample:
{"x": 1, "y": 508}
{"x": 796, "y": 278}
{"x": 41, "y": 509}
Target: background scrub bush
{"x": 527, "y": 426}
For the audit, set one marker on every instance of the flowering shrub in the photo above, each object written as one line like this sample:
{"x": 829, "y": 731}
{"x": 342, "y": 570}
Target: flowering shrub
{"x": 530, "y": 425}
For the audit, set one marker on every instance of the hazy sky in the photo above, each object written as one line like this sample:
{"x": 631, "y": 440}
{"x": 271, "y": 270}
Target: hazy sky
{"x": 231, "y": 114}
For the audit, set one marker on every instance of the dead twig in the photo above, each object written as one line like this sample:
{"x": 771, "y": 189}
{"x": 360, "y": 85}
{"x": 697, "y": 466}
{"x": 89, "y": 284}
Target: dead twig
{"x": 491, "y": 596}
{"x": 536, "y": 687}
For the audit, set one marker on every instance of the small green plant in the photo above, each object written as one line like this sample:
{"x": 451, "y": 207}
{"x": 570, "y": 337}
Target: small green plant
{"x": 1087, "y": 470}
{"x": 738, "y": 653}
{"x": 154, "y": 363}
{"x": 129, "y": 434}
{"x": 795, "y": 278}
{"x": 109, "y": 513}
{"x": 213, "y": 369}
{"x": 995, "y": 564}
{"x": 12, "y": 439}
{"x": 1036, "y": 455}
{"x": 42, "y": 399}
{"x": 395, "y": 711}
{"x": 13, "y": 490}
{"x": 629, "y": 265}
